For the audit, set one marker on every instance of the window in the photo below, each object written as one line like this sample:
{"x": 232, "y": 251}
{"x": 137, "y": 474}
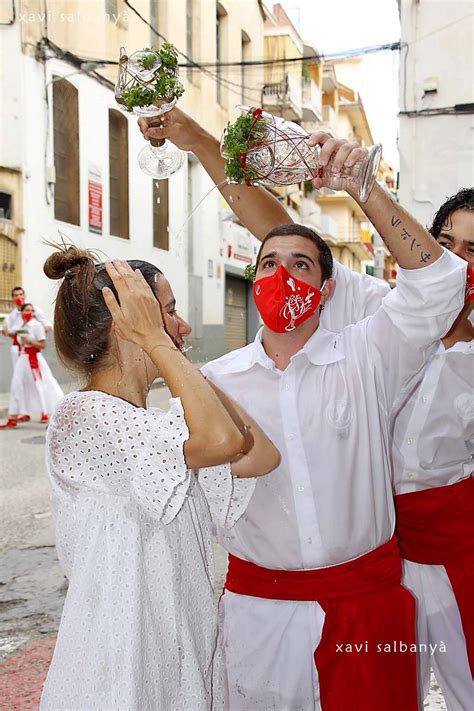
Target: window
{"x": 118, "y": 174}
{"x": 66, "y": 151}
{"x": 161, "y": 214}
{"x": 5, "y": 206}
{"x": 245, "y": 54}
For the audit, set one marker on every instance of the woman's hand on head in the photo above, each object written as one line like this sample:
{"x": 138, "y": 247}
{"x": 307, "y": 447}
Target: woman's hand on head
{"x": 138, "y": 317}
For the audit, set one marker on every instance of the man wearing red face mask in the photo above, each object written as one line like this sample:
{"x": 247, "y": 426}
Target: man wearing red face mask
{"x": 34, "y": 390}
{"x": 314, "y": 615}
{"x": 433, "y": 458}
{"x": 14, "y": 321}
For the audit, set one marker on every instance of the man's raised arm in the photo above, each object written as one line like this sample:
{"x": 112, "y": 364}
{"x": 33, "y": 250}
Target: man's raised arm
{"x": 256, "y": 208}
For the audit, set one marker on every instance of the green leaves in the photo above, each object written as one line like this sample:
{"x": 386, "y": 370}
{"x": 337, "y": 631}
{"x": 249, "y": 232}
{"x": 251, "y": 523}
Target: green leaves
{"x": 167, "y": 85}
{"x": 246, "y": 131}
{"x": 250, "y": 271}
{"x": 137, "y": 96}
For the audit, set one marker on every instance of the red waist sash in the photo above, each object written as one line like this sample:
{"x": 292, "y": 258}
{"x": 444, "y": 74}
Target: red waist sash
{"x": 32, "y": 354}
{"x": 436, "y": 527}
{"x": 366, "y": 659}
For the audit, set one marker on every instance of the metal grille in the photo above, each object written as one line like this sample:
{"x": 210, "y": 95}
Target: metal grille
{"x": 8, "y": 274}
{"x": 235, "y": 313}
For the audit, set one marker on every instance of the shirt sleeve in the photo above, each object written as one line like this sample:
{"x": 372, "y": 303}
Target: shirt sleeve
{"x": 40, "y": 316}
{"x": 37, "y": 331}
{"x": 355, "y": 297}
{"x": 227, "y": 496}
{"x": 401, "y": 335}
{"x": 106, "y": 445}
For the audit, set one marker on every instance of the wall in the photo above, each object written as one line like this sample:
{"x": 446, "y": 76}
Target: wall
{"x": 436, "y": 152}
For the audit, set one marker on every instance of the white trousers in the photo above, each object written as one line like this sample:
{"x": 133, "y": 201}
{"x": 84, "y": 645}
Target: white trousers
{"x": 268, "y": 647}
{"x": 439, "y": 624}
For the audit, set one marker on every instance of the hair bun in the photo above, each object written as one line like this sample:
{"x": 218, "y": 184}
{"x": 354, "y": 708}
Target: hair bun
{"x": 67, "y": 262}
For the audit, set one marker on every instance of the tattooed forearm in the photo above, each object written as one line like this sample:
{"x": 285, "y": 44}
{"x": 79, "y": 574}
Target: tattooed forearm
{"x": 408, "y": 241}
{"x": 425, "y": 257}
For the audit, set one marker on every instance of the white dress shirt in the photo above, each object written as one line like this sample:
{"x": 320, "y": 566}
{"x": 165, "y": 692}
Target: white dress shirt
{"x": 355, "y": 297}
{"x": 433, "y": 446}
{"x": 328, "y": 413}
{"x": 434, "y": 431}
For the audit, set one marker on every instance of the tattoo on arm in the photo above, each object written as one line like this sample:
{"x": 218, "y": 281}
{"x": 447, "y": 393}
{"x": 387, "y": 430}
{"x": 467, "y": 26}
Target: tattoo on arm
{"x": 425, "y": 257}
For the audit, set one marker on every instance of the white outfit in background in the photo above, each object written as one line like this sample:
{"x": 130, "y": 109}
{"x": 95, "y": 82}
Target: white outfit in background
{"x": 30, "y": 396}
{"x": 134, "y": 538}
{"x": 355, "y": 296}
{"x": 434, "y": 446}
{"x": 331, "y": 499}
{"x": 14, "y": 322}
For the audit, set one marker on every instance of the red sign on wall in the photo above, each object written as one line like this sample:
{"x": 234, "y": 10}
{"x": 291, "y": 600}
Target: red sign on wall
{"x": 95, "y": 207}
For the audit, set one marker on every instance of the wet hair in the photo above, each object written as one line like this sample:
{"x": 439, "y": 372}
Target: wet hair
{"x": 17, "y": 288}
{"x": 82, "y": 321}
{"x": 463, "y": 200}
{"x": 325, "y": 256}
{"x": 24, "y": 307}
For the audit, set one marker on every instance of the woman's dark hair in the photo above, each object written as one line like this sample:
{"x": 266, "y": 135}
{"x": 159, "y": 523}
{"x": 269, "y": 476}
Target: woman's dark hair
{"x": 82, "y": 321}
{"x": 463, "y": 200}
{"x": 24, "y": 307}
{"x": 325, "y": 256}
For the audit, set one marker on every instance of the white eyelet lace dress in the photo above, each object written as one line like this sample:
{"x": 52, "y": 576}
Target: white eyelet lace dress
{"x": 134, "y": 538}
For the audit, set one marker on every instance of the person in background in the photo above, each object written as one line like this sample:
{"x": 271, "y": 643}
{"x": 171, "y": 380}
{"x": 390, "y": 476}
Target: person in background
{"x": 433, "y": 466}
{"x": 34, "y": 390}
{"x": 12, "y": 324}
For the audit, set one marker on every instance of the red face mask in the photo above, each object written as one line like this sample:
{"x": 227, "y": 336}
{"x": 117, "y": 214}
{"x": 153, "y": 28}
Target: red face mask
{"x": 469, "y": 298}
{"x": 28, "y": 316}
{"x": 19, "y": 301}
{"x": 285, "y": 302}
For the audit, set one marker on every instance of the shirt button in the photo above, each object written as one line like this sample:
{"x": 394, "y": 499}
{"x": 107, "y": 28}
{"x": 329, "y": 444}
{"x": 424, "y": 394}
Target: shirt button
{"x": 410, "y": 475}
{"x": 290, "y": 436}
{"x": 424, "y": 398}
{"x": 301, "y": 488}
{"x": 410, "y": 440}
{"x": 287, "y": 387}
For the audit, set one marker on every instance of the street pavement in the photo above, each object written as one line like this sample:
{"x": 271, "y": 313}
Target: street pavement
{"x": 32, "y": 586}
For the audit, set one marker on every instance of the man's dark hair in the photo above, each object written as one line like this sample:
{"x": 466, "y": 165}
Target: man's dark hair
{"x": 463, "y": 200}
{"x": 17, "y": 288}
{"x": 325, "y": 256}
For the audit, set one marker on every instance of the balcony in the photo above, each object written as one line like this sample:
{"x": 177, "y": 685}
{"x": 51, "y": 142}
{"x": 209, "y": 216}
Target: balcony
{"x": 312, "y": 102}
{"x": 284, "y": 98}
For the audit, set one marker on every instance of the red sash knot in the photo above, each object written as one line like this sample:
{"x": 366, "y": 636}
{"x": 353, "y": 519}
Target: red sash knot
{"x": 32, "y": 354}
{"x": 366, "y": 659}
{"x": 436, "y": 527}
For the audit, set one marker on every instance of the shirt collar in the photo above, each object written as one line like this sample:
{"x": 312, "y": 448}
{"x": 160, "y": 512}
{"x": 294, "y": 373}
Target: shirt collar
{"x": 459, "y": 347}
{"x": 320, "y": 349}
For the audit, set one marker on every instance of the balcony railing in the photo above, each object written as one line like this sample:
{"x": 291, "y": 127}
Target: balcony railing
{"x": 284, "y": 97}
{"x": 312, "y": 101}
{"x": 310, "y": 213}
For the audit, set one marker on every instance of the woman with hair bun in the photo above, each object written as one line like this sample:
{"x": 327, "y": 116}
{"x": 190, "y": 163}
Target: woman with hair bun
{"x": 133, "y": 520}
{"x": 34, "y": 390}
